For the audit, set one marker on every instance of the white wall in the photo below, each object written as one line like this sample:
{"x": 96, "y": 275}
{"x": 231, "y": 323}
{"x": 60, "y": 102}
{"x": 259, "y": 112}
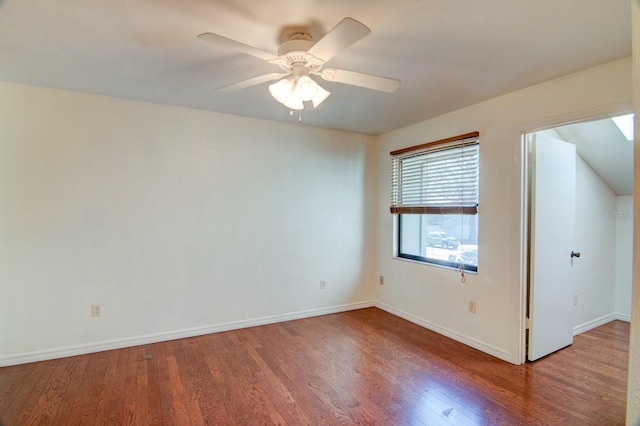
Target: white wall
{"x": 435, "y": 297}
{"x": 633, "y": 388}
{"x": 125, "y": 204}
{"x": 624, "y": 255}
{"x": 595, "y": 270}
{"x": 176, "y": 221}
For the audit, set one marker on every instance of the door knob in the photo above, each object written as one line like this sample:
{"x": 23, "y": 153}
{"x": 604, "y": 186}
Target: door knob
{"x": 575, "y": 254}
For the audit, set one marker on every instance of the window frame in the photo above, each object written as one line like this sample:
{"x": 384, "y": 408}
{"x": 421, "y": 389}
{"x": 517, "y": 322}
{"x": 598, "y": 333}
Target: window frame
{"x": 400, "y": 211}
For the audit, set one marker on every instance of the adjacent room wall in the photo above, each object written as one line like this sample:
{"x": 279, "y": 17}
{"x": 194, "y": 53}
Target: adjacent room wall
{"x": 436, "y": 297}
{"x": 633, "y": 389}
{"x": 604, "y": 225}
{"x": 177, "y": 222}
{"x": 624, "y": 255}
{"x": 595, "y": 269}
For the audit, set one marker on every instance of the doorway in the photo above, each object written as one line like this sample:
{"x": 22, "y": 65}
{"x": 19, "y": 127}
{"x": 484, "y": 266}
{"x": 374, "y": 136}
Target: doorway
{"x": 585, "y": 279}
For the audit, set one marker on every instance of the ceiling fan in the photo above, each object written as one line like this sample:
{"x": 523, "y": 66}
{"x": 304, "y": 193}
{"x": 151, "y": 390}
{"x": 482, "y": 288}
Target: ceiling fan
{"x": 300, "y": 57}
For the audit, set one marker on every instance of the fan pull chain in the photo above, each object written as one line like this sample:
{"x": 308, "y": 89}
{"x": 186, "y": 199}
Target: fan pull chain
{"x": 299, "y": 115}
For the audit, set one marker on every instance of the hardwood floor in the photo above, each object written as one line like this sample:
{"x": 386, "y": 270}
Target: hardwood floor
{"x": 358, "y": 367}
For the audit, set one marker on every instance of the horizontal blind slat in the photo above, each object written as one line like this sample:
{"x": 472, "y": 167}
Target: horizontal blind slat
{"x": 436, "y": 178}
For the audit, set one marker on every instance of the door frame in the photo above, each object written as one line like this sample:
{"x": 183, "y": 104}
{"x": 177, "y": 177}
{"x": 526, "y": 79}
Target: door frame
{"x": 521, "y": 158}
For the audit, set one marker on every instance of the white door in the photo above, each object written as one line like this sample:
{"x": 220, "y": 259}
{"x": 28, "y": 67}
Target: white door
{"x": 551, "y": 285}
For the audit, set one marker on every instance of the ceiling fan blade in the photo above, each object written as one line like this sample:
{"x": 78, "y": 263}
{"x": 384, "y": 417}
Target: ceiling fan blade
{"x": 251, "y": 82}
{"x": 347, "y": 32}
{"x": 375, "y": 82}
{"x": 237, "y": 46}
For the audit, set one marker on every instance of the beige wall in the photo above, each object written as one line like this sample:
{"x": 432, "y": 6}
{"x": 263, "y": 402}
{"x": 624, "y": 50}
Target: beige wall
{"x": 176, "y": 221}
{"x": 624, "y": 255}
{"x": 633, "y": 395}
{"x": 172, "y": 220}
{"x": 435, "y": 297}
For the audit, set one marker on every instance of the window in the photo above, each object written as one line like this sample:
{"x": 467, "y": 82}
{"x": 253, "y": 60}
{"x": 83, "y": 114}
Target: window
{"x": 435, "y": 195}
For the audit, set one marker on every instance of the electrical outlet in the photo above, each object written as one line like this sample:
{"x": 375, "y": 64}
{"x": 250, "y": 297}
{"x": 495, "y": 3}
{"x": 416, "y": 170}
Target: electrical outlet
{"x": 472, "y": 306}
{"x": 575, "y": 299}
{"x": 322, "y": 285}
{"x": 96, "y": 310}
{"x": 381, "y": 280}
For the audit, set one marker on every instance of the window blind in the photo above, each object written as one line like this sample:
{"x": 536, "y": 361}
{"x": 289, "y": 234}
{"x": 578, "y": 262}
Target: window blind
{"x": 436, "y": 178}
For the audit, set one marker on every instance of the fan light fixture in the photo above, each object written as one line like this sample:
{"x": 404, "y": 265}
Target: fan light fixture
{"x": 293, "y": 92}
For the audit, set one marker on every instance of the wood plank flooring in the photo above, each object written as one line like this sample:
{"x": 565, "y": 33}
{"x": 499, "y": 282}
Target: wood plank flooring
{"x": 359, "y": 367}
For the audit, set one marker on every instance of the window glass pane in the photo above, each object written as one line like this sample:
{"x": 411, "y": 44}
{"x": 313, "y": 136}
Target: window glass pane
{"x": 443, "y": 239}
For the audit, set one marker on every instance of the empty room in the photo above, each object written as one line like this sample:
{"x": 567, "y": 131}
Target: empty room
{"x": 305, "y": 212}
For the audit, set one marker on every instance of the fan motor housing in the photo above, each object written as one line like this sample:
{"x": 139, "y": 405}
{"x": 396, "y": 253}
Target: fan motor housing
{"x": 294, "y": 46}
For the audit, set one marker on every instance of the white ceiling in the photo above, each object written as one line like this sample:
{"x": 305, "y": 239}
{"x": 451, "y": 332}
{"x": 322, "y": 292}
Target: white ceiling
{"x": 447, "y": 53}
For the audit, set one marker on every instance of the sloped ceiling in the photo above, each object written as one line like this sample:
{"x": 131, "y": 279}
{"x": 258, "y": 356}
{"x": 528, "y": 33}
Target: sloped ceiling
{"x": 603, "y": 147}
{"x": 447, "y": 53}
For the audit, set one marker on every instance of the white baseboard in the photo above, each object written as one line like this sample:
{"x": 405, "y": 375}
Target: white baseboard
{"x": 623, "y": 317}
{"x": 173, "y": 335}
{"x": 469, "y": 341}
{"x": 579, "y": 329}
{"x": 235, "y": 325}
